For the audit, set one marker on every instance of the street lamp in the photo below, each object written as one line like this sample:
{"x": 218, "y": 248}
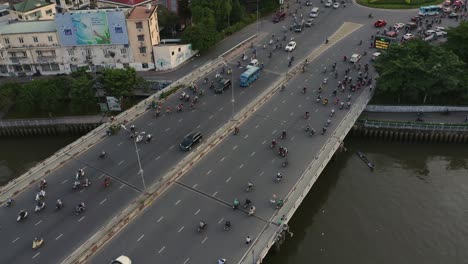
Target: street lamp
{"x": 232, "y": 89}
{"x": 138, "y": 158}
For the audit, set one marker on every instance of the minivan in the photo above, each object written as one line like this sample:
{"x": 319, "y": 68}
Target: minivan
{"x": 222, "y": 85}
{"x": 314, "y": 12}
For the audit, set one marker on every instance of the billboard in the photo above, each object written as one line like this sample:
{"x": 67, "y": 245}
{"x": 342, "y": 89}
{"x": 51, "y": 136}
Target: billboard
{"x": 91, "y": 28}
{"x": 382, "y": 42}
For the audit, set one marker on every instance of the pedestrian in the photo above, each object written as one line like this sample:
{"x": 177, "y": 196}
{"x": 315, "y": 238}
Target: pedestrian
{"x": 248, "y": 240}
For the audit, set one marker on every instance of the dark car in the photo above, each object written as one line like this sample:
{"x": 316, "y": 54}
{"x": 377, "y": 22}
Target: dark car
{"x": 308, "y": 3}
{"x": 417, "y": 18}
{"x": 190, "y": 140}
{"x": 222, "y": 85}
{"x": 280, "y": 15}
{"x": 297, "y": 28}
{"x": 411, "y": 26}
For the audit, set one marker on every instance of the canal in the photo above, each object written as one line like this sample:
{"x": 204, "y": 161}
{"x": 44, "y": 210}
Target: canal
{"x": 413, "y": 208}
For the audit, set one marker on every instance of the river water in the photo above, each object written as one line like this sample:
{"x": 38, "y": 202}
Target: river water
{"x": 413, "y": 208}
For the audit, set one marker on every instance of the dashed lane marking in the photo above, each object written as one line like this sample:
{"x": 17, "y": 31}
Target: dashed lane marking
{"x": 253, "y": 153}
{"x": 214, "y": 194}
{"x": 160, "y": 218}
{"x": 40, "y": 221}
{"x": 120, "y": 163}
{"x": 37, "y": 254}
{"x": 222, "y": 159}
{"x": 142, "y": 236}
{"x": 100, "y": 176}
{"x": 246, "y": 136}
{"x": 292, "y": 113}
{"x": 187, "y": 260}
{"x": 172, "y": 147}
{"x": 198, "y": 126}
{"x": 210, "y": 117}
{"x": 57, "y": 238}
{"x": 120, "y": 143}
{"x": 198, "y": 211}
{"x": 274, "y": 132}
{"x": 234, "y": 148}
{"x": 242, "y": 165}
{"x": 16, "y": 239}
{"x": 180, "y": 120}
{"x": 228, "y": 179}
{"x": 167, "y": 129}
{"x": 121, "y": 186}
{"x": 208, "y": 172}
{"x": 182, "y": 228}
{"x": 161, "y": 250}
{"x": 264, "y": 141}
{"x": 195, "y": 186}
{"x": 158, "y": 157}
{"x": 79, "y": 220}
{"x": 221, "y": 109}
{"x": 220, "y": 220}
{"x": 103, "y": 201}
{"x": 203, "y": 241}
{"x": 177, "y": 202}
{"x": 261, "y": 173}
{"x": 257, "y": 126}
{"x": 274, "y": 109}
{"x": 63, "y": 181}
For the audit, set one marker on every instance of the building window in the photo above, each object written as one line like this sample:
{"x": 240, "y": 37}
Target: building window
{"x": 71, "y": 52}
{"x": 172, "y": 53}
{"x": 13, "y": 54}
{"x": 27, "y": 68}
{"x": 123, "y": 51}
{"x": 50, "y": 38}
{"x": 144, "y": 65}
{"x": 88, "y": 52}
{"x": 141, "y": 37}
{"x": 3, "y": 69}
{"x": 39, "y": 53}
{"x": 20, "y": 17}
{"x": 139, "y": 25}
{"x": 35, "y": 39}
{"x": 106, "y": 53}
{"x": 179, "y": 49}
{"x": 23, "y": 53}
{"x": 52, "y": 53}
{"x": 142, "y": 49}
{"x": 48, "y": 12}
{"x": 7, "y": 40}
{"x": 21, "y": 40}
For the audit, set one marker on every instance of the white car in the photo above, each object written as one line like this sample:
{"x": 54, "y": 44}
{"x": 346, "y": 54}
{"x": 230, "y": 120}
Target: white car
{"x": 408, "y": 36}
{"x": 355, "y": 58}
{"x": 328, "y": 4}
{"x": 122, "y": 260}
{"x": 291, "y": 46}
{"x": 399, "y": 25}
{"x": 429, "y": 32}
{"x": 253, "y": 63}
{"x": 375, "y": 55}
{"x": 439, "y": 29}
{"x": 441, "y": 33}
{"x": 336, "y": 5}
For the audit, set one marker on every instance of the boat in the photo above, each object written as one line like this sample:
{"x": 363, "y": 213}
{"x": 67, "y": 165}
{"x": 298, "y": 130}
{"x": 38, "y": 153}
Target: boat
{"x": 366, "y": 161}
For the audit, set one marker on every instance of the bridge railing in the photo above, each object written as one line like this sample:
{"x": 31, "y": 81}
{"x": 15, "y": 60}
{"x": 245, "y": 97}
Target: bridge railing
{"x": 412, "y": 126}
{"x": 9, "y": 123}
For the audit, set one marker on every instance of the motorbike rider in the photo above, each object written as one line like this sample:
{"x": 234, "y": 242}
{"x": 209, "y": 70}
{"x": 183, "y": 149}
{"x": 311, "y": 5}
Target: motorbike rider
{"x": 247, "y": 202}
{"x": 107, "y": 181}
{"x": 280, "y": 203}
{"x": 132, "y": 128}
{"x": 58, "y": 204}
{"x": 9, "y": 202}
{"x": 332, "y": 112}
{"x": 328, "y": 122}
{"x": 283, "y": 134}
{"x": 306, "y": 115}
{"x": 22, "y": 214}
{"x": 227, "y": 225}
{"x": 250, "y": 186}
{"x": 222, "y": 261}
{"x": 236, "y": 130}
{"x": 43, "y": 184}
{"x": 307, "y": 128}
{"x": 202, "y": 224}
{"x": 252, "y": 210}
{"x": 324, "y": 129}
{"x": 279, "y": 176}
{"x": 304, "y": 90}
{"x": 148, "y": 138}
{"x": 235, "y": 204}
{"x": 273, "y": 143}
{"x": 103, "y": 154}
{"x": 80, "y": 207}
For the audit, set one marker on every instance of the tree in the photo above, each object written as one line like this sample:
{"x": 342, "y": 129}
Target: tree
{"x": 167, "y": 20}
{"x": 417, "y": 72}
{"x": 119, "y": 82}
{"x": 183, "y": 8}
{"x": 457, "y": 41}
{"x": 202, "y": 34}
{"x": 237, "y": 12}
{"x": 7, "y": 95}
{"x": 81, "y": 95}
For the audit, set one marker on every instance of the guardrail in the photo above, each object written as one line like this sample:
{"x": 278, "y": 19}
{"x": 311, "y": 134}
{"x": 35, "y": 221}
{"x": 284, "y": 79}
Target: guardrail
{"x": 7, "y": 123}
{"x": 412, "y": 126}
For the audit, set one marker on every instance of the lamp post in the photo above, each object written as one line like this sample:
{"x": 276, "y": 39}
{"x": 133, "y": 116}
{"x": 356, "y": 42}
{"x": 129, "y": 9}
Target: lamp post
{"x": 232, "y": 89}
{"x": 139, "y": 160}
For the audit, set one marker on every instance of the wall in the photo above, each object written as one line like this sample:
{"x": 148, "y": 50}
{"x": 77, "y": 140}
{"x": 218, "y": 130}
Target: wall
{"x": 170, "y": 56}
{"x": 71, "y": 4}
{"x": 43, "y": 13}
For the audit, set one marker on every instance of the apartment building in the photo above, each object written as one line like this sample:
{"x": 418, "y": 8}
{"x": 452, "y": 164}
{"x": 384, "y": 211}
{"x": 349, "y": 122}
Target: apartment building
{"x": 33, "y": 10}
{"x": 66, "y": 5}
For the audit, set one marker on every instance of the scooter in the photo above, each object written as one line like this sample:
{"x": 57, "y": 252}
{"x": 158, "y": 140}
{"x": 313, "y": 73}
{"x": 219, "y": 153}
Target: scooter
{"x": 252, "y": 210}
{"x": 139, "y": 138}
{"x": 39, "y": 207}
{"x": 20, "y": 217}
{"x": 201, "y": 227}
{"x": 76, "y": 185}
{"x": 37, "y": 243}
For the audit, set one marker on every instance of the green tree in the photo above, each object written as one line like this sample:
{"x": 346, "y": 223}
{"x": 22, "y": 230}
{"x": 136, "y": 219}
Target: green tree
{"x": 183, "y": 9}
{"x": 81, "y": 95}
{"x": 119, "y": 82}
{"x": 202, "y": 34}
{"x": 237, "y": 12}
{"x": 457, "y": 41}
{"x": 25, "y": 100}
{"x": 7, "y": 95}
{"x": 167, "y": 20}
{"x": 417, "y": 72}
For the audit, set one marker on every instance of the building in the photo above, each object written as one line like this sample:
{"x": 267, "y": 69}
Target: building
{"x": 121, "y": 3}
{"x": 5, "y": 12}
{"x": 143, "y": 33}
{"x": 169, "y": 56}
{"x": 30, "y": 47}
{"x": 66, "y": 5}
{"x": 33, "y": 10}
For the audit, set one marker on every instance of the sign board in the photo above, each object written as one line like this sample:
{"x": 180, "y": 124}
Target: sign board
{"x": 91, "y": 28}
{"x": 113, "y": 103}
{"x": 382, "y": 42}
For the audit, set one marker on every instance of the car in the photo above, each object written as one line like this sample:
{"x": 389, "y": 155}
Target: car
{"x": 309, "y": 22}
{"x": 441, "y": 33}
{"x": 429, "y": 38}
{"x": 375, "y": 55}
{"x": 417, "y": 18}
{"x": 190, "y": 140}
{"x": 122, "y": 260}
{"x": 223, "y": 84}
{"x": 253, "y": 63}
{"x": 380, "y": 23}
{"x": 411, "y": 26}
{"x": 399, "y": 25}
{"x": 291, "y": 46}
{"x": 408, "y": 36}
{"x": 391, "y": 34}
{"x": 439, "y": 29}
{"x": 355, "y": 58}
{"x": 280, "y": 15}
{"x": 314, "y": 12}
{"x": 336, "y": 5}
{"x": 328, "y": 3}
{"x": 429, "y": 32}
{"x": 297, "y": 28}
{"x": 453, "y": 15}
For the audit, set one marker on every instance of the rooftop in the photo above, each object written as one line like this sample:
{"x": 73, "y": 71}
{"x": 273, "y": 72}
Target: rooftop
{"x": 139, "y": 12}
{"x": 29, "y": 5}
{"x": 28, "y": 27}
{"x": 127, "y": 2}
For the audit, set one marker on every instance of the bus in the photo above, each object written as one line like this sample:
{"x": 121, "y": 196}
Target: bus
{"x": 429, "y": 10}
{"x": 249, "y": 76}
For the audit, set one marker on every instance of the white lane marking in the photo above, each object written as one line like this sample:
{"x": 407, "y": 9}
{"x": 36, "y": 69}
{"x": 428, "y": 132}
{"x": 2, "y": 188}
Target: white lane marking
{"x": 180, "y": 120}
{"x": 194, "y": 186}
{"x": 299, "y": 106}
{"x": 158, "y": 157}
{"x": 150, "y": 123}
{"x": 220, "y": 220}
{"x": 214, "y": 194}
{"x": 208, "y": 173}
{"x": 253, "y": 153}
{"x": 316, "y": 110}
{"x": 160, "y": 218}
{"x": 161, "y": 250}
{"x": 79, "y": 220}
{"x": 121, "y": 186}
{"x": 274, "y": 109}
{"x": 84, "y": 167}
{"x": 185, "y": 262}
{"x": 284, "y": 101}
{"x": 203, "y": 241}
{"x": 197, "y": 212}
{"x": 221, "y": 109}
{"x": 82, "y": 190}
{"x": 57, "y": 238}
{"x": 40, "y": 221}
{"x": 291, "y": 114}
{"x": 222, "y": 159}
{"x": 100, "y": 176}
{"x": 36, "y": 255}
{"x": 210, "y": 117}
{"x": 172, "y": 147}
{"x": 167, "y": 129}
{"x": 242, "y": 165}
{"x": 234, "y": 148}
{"x": 274, "y": 132}
{"x": 182, "y": 228}
{"x": 64, "y": 182}
{"x": 293, "y": 138}
{"x": 257, "y": 126}
{"x": 264, "y": 141}
{"x": 142, "y": 236}
{"x": 16, "y": 239}
{"x": 246, "y": 136}
{"x": 103, "y": 201}
{"x": 120, "y": 143}
{"x": 177, "y": 202}
{"x": 198, "y": 126}
{"x": 120, "y": 163}
{"x": 228, "y": 179}
{"x": 262, "y": 173}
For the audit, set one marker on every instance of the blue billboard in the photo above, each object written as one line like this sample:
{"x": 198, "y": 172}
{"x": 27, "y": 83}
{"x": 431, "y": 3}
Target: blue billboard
{"x": 91, "y": 28}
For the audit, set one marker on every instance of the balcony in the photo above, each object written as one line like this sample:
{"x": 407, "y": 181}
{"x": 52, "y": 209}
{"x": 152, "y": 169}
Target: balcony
{"x": 19, "y": 59}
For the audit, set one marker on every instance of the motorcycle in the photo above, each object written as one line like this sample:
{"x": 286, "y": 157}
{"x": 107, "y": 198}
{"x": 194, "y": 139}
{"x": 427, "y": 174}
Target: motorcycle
{"x": 39, "y": 207}
{"x": 312, "y": 132}
{"x": 9, "y": 202}
{"x": 252, "y": 210}
{"x": 76, "y": 185}
{"x": 58, "y": 205}
{"x": 107, "y": 182}
{"x": 139, "y": 138}
{"x": 250, "y": 187}
{"x": 201, "y": 226}
{"x": 247, "y": 203}
{"x": 102, "y": 155}
{"x": 235, "y": 204}
{"x": 21, "y": 216}
{"x": 227, "y": 225}
{"x": 37, "y": 243}
{"x": 79, "y": 210}
{"x": 40, "y": 195}
{"x": 279, "y": 204}
{"x": 278, "y": 177}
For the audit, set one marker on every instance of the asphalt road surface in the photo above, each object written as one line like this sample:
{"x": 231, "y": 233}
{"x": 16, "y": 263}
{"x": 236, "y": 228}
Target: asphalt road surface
{"x": 166, "y": 232}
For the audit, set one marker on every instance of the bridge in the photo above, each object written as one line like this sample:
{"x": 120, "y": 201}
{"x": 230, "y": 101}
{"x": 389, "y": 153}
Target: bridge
{"x": 159, "y": 194}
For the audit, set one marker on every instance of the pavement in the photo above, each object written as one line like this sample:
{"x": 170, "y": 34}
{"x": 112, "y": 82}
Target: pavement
{"x": 166, "y": 231}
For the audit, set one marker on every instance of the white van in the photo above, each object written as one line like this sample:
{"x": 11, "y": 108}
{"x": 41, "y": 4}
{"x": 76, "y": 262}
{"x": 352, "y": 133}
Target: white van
{"x": 314, "y": 12}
